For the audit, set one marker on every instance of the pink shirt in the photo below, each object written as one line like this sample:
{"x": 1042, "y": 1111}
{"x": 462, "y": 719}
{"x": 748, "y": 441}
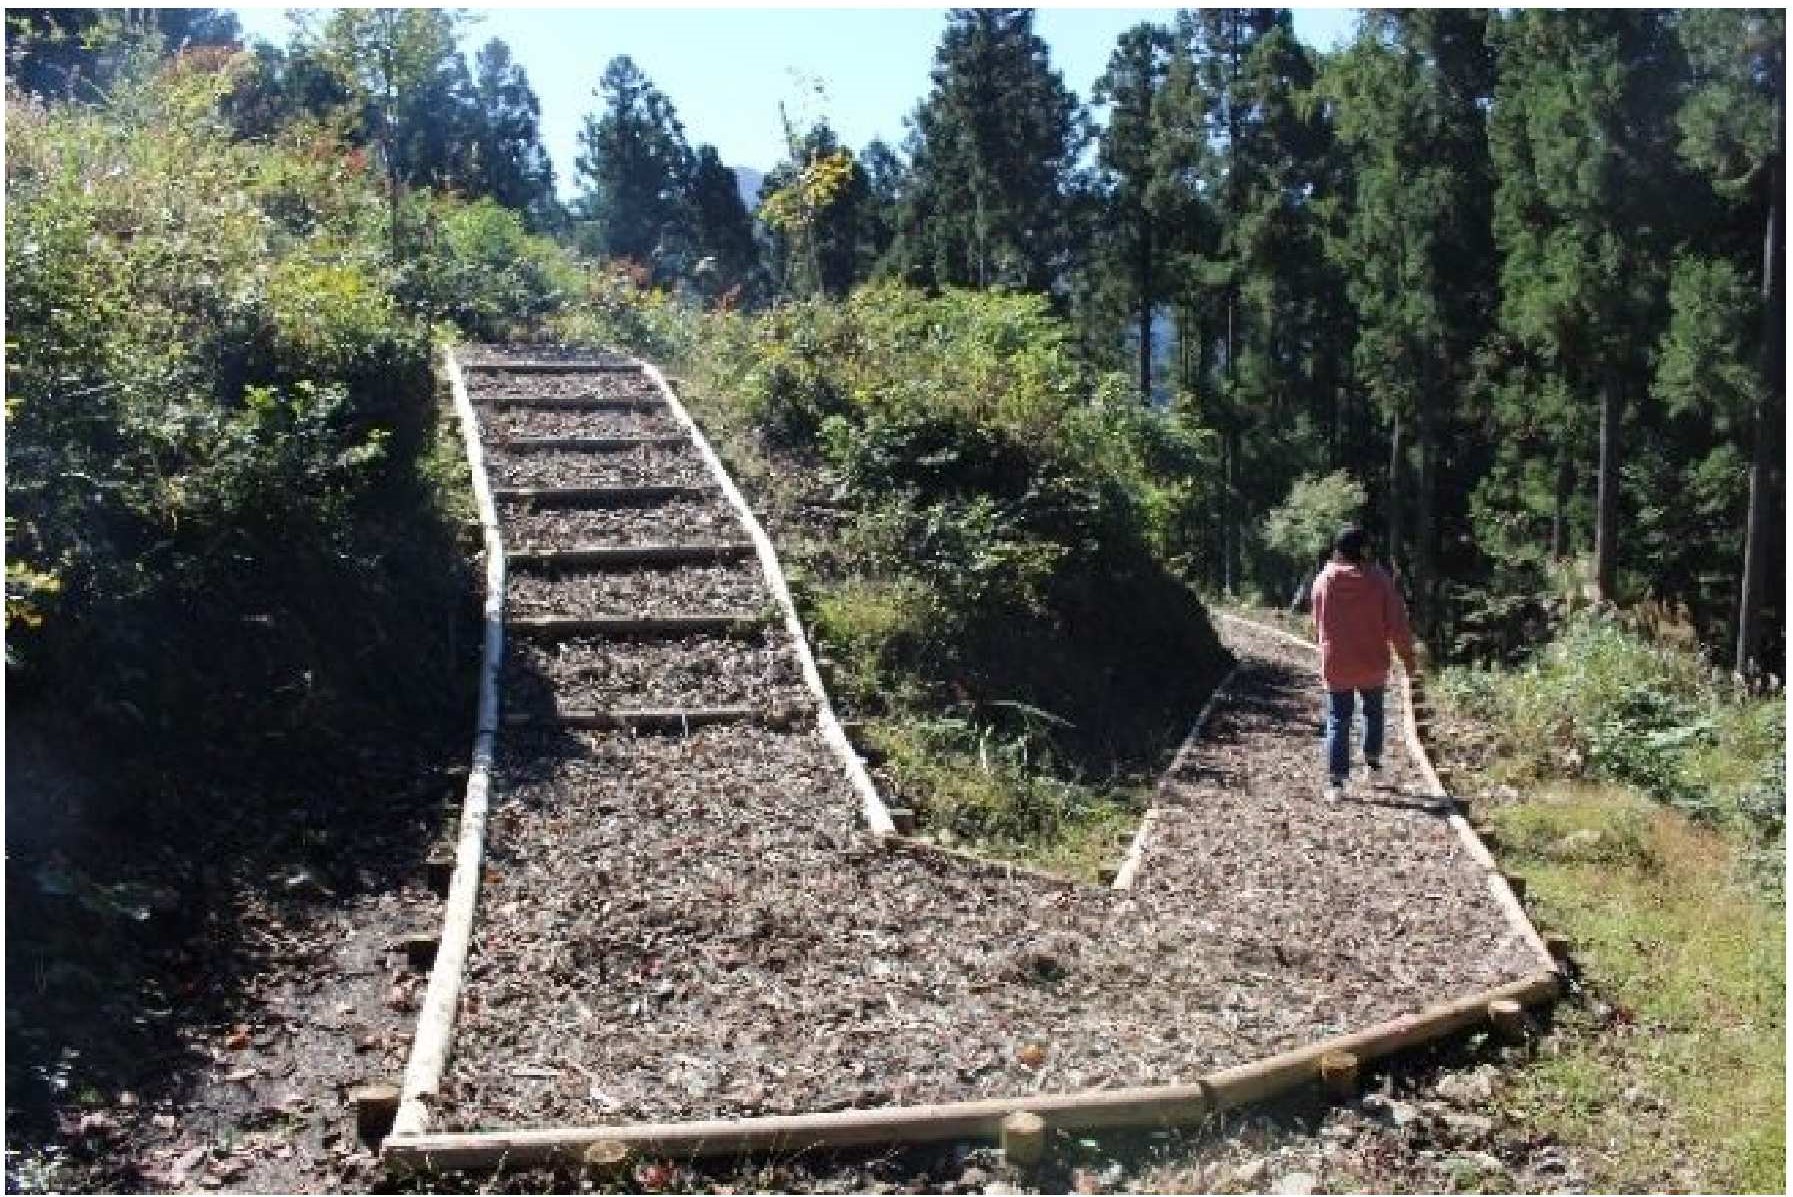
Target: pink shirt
{"x": 1358, "y": 614}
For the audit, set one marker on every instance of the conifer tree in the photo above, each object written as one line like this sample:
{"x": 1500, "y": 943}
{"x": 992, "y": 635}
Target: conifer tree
{"x": 1415, "y": 244}
{"x": 633, "y": 167}
{"x": 1128, "y": 153}
{"x": 1726, "y": 348}
{"x": 1581, "y": 139}
{"x": 508, "y": 160}
{"x": 723, "y": 229}
{"x": 993, "y": 148}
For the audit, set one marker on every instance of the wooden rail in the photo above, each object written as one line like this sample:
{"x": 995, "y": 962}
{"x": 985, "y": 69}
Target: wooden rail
{"x": 872, "y": 808}
{"x": 598, "y": 496}
{"x": 435, "y": 1021}
{"x": 1149, "y": 1106}
{"x": 607, "y": 556}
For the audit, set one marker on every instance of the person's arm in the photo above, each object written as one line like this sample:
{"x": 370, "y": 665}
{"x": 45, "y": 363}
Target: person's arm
{"x": 1316, "y": 598}
{"x": 1394, "y": 620}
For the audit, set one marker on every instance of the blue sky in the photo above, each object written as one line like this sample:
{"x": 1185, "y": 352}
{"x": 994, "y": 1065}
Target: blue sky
{"x": 726, "y": 70}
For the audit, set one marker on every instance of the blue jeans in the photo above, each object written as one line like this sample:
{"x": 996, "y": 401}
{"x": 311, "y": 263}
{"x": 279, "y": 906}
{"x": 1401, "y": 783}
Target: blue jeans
{"x": 1340, "y": 707}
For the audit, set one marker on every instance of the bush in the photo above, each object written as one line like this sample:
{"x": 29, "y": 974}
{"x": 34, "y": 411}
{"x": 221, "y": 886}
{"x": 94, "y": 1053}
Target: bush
{"x": 1028, "y": 520}
{"x": 220, "y": 430}
{"x": 1602, "y": 702}
{"x": 481, "y": 268}
{"x": 1302, "y": 529}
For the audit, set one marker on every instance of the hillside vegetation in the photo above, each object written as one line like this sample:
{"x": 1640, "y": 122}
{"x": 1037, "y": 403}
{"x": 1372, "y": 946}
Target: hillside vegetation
{"x": 1017, "y": 400}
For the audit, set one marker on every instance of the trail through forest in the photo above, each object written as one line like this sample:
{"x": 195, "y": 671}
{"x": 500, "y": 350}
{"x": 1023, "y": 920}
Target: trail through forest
{"x": 691, "y": 925}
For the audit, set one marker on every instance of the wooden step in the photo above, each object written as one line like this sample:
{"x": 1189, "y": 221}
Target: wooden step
{"x": 574, "y": 402}
{"x": 588, "y": 444}
{"x": 550, "y": 366}
{"x": 561, "y": 626}
{"x": 632, "y": 554}
{"x": 658, "y": 718}
{"x": 599, "y": 496}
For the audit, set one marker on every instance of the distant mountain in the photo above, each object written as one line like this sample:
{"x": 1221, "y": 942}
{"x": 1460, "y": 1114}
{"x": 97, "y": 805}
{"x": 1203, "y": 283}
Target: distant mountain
{"x": 749, "y": 181}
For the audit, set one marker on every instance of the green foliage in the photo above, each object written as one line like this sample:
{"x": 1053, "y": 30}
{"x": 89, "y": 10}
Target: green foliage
{"x": 217, "y": 428}
{"x": 1602, "y": 702}
{"x": 1303, "y": 527}
{"x": 992, "y": 153}
{"x": 481, "y": 268}
{"x": 994, "y": 508}
{"x": 633, "y": 166}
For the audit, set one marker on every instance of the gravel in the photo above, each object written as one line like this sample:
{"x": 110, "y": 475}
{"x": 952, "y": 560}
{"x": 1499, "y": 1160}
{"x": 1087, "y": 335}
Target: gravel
{"x": 501, "y": 424}
{"x": 692, "y": 672}
{"x": 680, "y": 466}
{"x": 489, "y": 390}
{"x": 677, "y": 590}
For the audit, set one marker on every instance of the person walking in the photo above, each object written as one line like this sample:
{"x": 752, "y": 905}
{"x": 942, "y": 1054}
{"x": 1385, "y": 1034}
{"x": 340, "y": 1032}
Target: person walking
{"x": 1358, "y": 615}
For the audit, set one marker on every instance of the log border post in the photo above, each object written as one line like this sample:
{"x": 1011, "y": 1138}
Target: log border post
{"x": 434, "y": 1033}
{"x": 875, "y": 813}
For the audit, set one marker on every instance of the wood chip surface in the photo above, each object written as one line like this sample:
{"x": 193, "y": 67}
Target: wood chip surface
{"x": 688, "y": 926}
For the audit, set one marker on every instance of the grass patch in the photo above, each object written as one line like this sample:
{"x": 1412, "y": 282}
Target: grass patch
{"x": 1675, "y": 1075}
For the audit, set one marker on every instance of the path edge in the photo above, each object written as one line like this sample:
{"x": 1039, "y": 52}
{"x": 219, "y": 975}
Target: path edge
{"x": 1128, "y": 873}
{"x": 1498, "y": 886}
{"x": 872, "y": 808}
{"x": 434, "y": 1033}
{"x": 1147, "y": 1106}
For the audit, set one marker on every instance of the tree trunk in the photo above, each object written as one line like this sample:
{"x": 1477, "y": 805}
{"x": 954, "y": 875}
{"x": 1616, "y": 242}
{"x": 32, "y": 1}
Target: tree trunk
{"x": 1606, "y": 511}
{"x": 1565, "y": 490}
{"x": 1767, "y": 419}
{"x": 1395, "y": 449}
{"x": 1145, "y": 310}
{"x": 1425, "y": 528}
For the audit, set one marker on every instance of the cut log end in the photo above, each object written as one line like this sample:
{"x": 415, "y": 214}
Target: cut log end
{"x": 375, "y": 1108}
{"x": 1024, "y": 1139}
{"x": 420, "y": 949}
{"x": 1509, "y": 1020}
{"x": 607, "y": 1157}
{"x": 1338, "y": 1073}
{"x": 439, "y": 871}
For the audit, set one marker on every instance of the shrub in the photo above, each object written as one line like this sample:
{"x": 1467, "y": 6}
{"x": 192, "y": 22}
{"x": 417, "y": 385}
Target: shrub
{"x": 219, "y": 433}
{"x": 1302, "y": 528}
{"x": 1600, "y": 701}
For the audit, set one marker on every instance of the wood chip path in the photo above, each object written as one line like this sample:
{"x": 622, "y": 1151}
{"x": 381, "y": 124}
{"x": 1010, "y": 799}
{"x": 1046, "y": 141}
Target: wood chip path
{"x": 692, "y": 924}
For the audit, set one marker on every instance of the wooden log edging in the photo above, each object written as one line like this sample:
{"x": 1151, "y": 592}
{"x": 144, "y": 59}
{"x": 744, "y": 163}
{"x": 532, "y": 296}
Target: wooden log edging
{"x": 587, "y": 444}
{"x": 434, "y": 1032}
{"x": 1145, "y": 1106}
{"x": 554, "y": 626}
{"x": 1499, "y": 888}
{"x": 554, "y": 366}
{"x": 876, "y": 814}
{"x": 598, "y": 496}
{"x": 676, "y": 719}
{"x": 605, "y": 555}
{"x": 1007, "y": 869}
{"x": 1129, "y": 870}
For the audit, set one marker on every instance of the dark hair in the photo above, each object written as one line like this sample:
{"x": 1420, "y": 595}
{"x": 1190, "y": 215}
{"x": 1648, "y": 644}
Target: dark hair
{"x": 1350, "y": 544}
